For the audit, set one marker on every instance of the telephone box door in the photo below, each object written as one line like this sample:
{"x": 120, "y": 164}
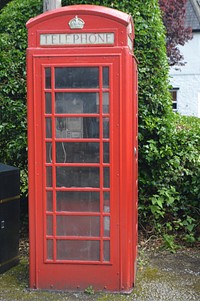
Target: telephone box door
{"x": 77, "y": 173}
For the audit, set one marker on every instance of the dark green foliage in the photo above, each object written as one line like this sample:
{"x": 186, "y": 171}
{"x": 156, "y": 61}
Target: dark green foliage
{"x": 3, "y": 3}
{"x": 169, "y": 167}
{"x": 13, "y": 43}
{"x": 173, "y": 206}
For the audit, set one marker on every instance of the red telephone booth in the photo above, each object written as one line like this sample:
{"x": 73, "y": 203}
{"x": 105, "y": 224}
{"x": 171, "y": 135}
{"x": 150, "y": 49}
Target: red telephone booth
{"x": 82, "y": 144}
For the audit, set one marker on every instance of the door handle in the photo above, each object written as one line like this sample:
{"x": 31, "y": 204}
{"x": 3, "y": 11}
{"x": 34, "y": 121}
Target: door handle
{"x": 2, "y": 225}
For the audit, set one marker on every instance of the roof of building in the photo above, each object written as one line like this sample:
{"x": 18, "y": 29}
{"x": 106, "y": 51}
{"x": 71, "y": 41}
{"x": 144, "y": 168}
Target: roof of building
{"x": 193, "y": 14}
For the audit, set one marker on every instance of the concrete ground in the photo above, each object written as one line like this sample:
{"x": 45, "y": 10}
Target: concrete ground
{"x": 161, "y": 276}
{"x": 170, "y": 277}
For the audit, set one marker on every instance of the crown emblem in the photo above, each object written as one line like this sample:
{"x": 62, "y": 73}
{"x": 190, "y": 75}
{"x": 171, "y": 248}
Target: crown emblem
{"x": 76, "y": 23}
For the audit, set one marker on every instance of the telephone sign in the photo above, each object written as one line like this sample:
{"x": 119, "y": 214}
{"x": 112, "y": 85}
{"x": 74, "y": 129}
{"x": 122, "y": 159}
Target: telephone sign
{"x": 82, "y": 149}
{"x": 77, "y": 39}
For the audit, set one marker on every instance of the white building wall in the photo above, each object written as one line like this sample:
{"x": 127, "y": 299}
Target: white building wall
{"x": 199, "y": 105}
{"x": 187, "y": 78}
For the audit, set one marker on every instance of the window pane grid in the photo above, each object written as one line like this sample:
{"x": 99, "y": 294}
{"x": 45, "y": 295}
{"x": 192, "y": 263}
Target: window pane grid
{"x": 53, "y": 252}
{"x": 101, "y": 161}
{"x": 77, "y": 213}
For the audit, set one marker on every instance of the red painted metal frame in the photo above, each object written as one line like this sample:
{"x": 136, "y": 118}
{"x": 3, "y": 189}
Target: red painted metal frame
{"x": 101, "y": 164}
{"x": 119, "y": 273}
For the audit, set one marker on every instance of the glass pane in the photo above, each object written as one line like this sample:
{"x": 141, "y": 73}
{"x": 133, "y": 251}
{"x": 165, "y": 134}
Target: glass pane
{"x": 76, "y": 77}
{"x": 48, "y": 128}
{"x": 73, "y": 152}
{"x": 106, "y": 154}
{"x": 174, "y": 105}
{"x": 77, "y": 176}
{"x": 105, "y": 77}
{"x": 49, "y": 176}
{"x": 77, "y": 127}
{"x": 106, "y": 177}
{"x": 78, "y": 250}
{"x": 105, "y": 102}
{"x": 48, "y": 109}
{"x": 50, "y": 249}
{"x": 49, "y": 196}
{"x": 78, "y": 225}
{"x": 106, "y": 127}
{"x": 106, "y": 226}
{"x": 106, "y": 201}
{"x": 48, "y": 78}
{"x": 78, "y": 201}
{"x": 49, "y": 225}
{"x": 77, "y": 103}
{"x": 48, "y": 152}
{"x": 106, "y": 250}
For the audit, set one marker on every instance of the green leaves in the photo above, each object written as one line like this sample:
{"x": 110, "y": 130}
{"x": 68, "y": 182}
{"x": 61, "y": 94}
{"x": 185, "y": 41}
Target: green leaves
{"x": 165, "y": 199}
{"x": 13, "y": 43}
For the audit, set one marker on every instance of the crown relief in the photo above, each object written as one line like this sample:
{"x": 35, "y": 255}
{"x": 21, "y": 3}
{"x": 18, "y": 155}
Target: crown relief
{"x": 76, "y": 23}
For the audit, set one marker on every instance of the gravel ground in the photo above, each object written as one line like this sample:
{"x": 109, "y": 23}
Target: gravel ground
{"x": 161, "y": 276}
{"x": 171, "y": 277}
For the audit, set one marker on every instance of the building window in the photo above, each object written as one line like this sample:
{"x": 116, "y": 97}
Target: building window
{"x": 174, "y": 93}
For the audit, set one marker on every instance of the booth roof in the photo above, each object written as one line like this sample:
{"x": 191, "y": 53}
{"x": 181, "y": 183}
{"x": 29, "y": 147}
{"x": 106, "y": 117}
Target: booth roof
{"x": 106, "y": 12}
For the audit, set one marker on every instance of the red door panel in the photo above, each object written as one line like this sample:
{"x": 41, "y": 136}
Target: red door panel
{"x": 77, "y": 173}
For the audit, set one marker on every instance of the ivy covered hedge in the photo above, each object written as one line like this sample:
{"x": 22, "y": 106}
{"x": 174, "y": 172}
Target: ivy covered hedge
{"x": 13, "y": 43}
{"x": 169, "y": 153}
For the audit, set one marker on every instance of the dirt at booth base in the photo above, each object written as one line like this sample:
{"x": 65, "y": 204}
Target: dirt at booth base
{"x": 161, "y": 276}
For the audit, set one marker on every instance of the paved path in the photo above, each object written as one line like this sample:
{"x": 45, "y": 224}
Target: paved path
{"x": 161, "y": 277}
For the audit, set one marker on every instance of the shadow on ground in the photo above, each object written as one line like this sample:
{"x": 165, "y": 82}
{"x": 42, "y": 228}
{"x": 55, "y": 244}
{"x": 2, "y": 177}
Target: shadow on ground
{"x": 161, "y": 276}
